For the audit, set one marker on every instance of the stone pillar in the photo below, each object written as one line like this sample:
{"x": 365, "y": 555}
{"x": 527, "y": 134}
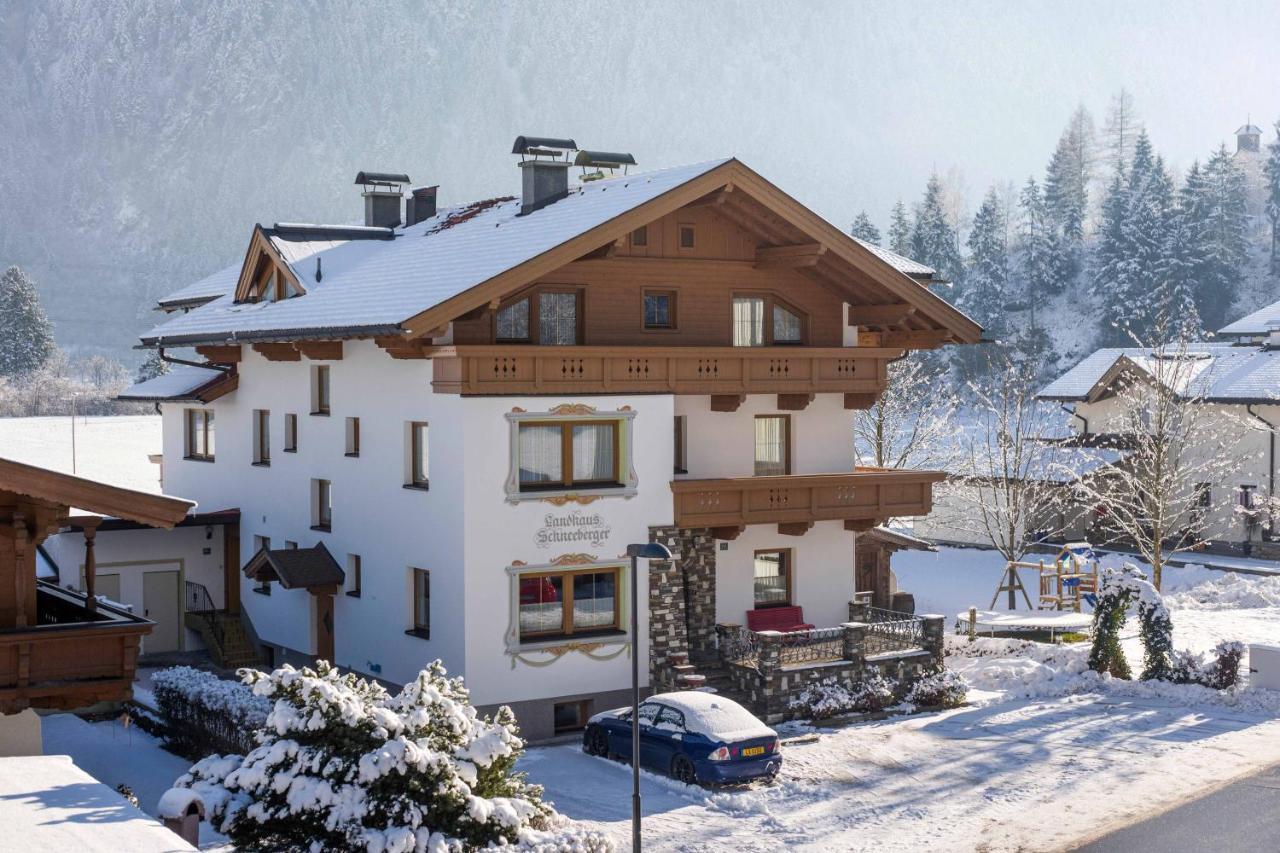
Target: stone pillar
{"x": 770, "y": 696}
{"x": 858, "y": 611}
{"x": 855, "y": 643}
{"x": 726, "y": 635}
{"x": 769, "y": 654}
{"x": 933, "y": 631}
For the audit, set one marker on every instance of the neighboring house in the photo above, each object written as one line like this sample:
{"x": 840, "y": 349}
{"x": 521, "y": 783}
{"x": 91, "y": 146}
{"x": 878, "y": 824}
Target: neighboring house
{"x": 1238, "y": 387}
{"x": 441, "y": 429}
{"x": 58, "y": 648}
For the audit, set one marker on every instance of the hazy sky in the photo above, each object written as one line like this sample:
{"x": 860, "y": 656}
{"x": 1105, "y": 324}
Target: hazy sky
{"x": 851, "y": 104}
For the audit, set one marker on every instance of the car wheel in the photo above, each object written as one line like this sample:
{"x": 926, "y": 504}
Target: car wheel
{"x": 597, "y": 742}
{"x": 682, "y": 770}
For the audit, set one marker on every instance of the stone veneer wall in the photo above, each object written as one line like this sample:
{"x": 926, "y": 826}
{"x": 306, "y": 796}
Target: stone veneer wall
{"x": 682, "y": 597}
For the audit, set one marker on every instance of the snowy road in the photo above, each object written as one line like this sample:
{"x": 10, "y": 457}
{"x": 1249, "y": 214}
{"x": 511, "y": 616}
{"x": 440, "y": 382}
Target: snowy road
{"x": 1039, "y": 775}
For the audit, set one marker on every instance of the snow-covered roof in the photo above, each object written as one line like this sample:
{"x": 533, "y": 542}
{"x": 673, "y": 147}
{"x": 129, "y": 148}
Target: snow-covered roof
{"x": 906, "y": 266}
{"x": 1216, "y": 372}
{"x": 1261, "y": 322}
{"x": 1249, "y": 128}
{"x": 221, "y": 283}
{"x": 375, "y": 285}
{"x": 180, "y": 383}
{"x": 715, "y": 716}
{"x": 1060, "y": 464}
{"x": 48, "y": 803}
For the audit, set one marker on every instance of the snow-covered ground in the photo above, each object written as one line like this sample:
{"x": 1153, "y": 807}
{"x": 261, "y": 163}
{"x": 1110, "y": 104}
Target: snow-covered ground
{"x": 110, "y": 449}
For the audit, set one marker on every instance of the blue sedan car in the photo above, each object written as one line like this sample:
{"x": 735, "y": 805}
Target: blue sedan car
{"x": 692, "y": 736}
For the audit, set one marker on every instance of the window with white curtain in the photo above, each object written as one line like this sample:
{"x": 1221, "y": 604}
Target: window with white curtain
{"x": 569, "y": 453}
{"x": 773, "y": 445}
{"x": 786, "y": 326}
{"x": 748, "y": 321}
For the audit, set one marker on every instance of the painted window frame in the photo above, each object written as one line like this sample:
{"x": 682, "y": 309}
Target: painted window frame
{"x": 624, "y": 486}
{"x": 206, "y": 432}
{"x": 787, "y": 443}
{"x": 619, "y": 634}
{"x": 672, "y": 296}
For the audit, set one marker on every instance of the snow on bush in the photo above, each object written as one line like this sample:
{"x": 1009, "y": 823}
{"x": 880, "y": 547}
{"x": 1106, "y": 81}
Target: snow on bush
{"x": 1230, "y": 591}
{"x": 204, "y": 713}
{"x": 1117, "y": 589}
{"x": 942, "y": 689}
{"x": 829, "y": 698}
{"x": 1220, "y": 673}
{"x": 343, "y": 765}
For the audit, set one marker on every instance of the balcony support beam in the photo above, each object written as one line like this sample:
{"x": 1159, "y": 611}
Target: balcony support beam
{"x": 727, "y": 402}
{"x": 277, "y": 352}
{"x": 229, "y": 354}
{"x": 794, "y": 402}
{"x": 860, "y": 401}
{"x": 727, "y": 534}
{"x": 795, "y": 528}
{"x": 859, "y": 525}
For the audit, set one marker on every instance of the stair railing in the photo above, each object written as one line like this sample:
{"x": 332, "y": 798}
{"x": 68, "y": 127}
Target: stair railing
{"x": 199, "y": 602}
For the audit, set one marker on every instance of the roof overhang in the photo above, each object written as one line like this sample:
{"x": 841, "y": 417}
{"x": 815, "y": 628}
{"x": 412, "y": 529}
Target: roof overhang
{"x": 296, "y": 568}
{"x": 69, "y": 491}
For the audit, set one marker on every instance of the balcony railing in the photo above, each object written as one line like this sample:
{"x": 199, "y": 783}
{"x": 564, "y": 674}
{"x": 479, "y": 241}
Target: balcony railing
{"x": 867, "y": 494}
{"x": 521, "y": 369}
{"x": 73, "y": 657}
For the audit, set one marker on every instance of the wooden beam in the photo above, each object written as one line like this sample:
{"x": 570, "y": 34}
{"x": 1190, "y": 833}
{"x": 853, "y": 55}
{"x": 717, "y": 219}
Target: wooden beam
{"x": 277, "y": 352}
{"x": 218, "y": 388}
{"x": 859, "y": 525}
{"x": 794, "y": 402}
{"x": 860, "y": 401}
{"x": 322, "y": 350}
{"x": 880, "y": 315}
{"x": 727, "y": 402}
{"x": 794, "y": 528}
{"x": 228, "y": 354}
{"x": 403, "y": 348}
{"x": 789, "y": 257}
{"x": 726, "y": 533}
{"x": 922, "y": 339}
{"x": 713, "y": 199}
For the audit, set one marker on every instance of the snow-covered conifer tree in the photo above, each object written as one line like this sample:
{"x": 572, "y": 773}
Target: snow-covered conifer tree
{"x": 933, "y": 238}
{"x": 865, "y": 229}
{"x": 152, "y": 366}
{"x": 900, "y": 230}
{"x": 1066, "y": 191}
{"x": 26, "y": 335}
{"x": 343, "y": 765}
{"x": 1272, "y": 170}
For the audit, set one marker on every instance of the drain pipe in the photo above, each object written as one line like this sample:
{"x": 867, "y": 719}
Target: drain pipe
{"x": 168, "y": 359}
{"x": 1271, "y": 464}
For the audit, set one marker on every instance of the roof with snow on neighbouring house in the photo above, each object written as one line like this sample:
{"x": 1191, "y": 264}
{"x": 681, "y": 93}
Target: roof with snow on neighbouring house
{"x": 1261, "y": 322}
{"x": 205, "y": 290}
{"x": 1053, "y": 464}
{"x": 49, "y": 803}
{"x": 1214, "y": 373}
{"x": 178, "y": 384}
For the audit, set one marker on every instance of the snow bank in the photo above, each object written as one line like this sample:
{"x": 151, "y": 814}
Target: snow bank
{"x": 1228, "y": 591}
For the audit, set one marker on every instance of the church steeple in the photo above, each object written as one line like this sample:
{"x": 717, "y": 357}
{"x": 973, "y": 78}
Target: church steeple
{"x": 1249, "y": 137}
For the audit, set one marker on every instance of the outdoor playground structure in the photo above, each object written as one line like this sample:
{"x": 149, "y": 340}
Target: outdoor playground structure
{"x": 1066, "y": 582}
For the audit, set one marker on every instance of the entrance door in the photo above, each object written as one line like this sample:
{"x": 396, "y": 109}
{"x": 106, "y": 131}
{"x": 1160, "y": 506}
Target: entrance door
{"x": 160, "y": 604}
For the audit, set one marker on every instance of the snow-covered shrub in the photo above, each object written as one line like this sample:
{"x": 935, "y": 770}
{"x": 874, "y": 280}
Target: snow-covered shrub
{"x": 343, "y": 765}
{"x": 1117, "y": 589}
{"x": 125, "y": 791}
{"x": 204, "y": 713}
{"x": 829, "y": 698}
{"x": 1220, "y": 673}
{"x": 942, "y": 689}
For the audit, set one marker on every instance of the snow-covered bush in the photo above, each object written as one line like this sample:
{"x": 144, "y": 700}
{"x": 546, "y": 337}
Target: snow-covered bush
{"x": 1117, "y": 589}
{"x": 942, "y": 689}
{"x": 829, "y": 698}
{"x": 204, "y": 713}
{"x": 343, "y": 765}
{"x": 1220, "y": 673}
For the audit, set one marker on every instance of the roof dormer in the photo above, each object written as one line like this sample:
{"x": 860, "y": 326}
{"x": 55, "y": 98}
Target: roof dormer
{"x": 265, "y": 276}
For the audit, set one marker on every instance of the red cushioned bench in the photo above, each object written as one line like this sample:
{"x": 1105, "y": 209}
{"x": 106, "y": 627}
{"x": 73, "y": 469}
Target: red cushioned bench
{"x": 783, "y": 619}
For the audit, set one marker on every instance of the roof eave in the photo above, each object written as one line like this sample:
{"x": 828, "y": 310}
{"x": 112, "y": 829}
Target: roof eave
{"x": 274, "y": 335}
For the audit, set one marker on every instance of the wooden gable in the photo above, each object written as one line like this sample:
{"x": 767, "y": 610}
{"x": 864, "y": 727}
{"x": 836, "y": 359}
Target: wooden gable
{"x": 265, "y": 274}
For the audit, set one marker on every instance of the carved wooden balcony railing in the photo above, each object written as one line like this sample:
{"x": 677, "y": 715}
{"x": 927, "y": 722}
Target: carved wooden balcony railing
{"x": 72, "y": 659}
{"x": 517, "y": 369}
{"x": 861, "y": 498}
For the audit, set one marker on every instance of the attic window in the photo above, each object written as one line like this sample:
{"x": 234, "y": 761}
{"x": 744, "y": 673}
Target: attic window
{"x": 687, "y": 236}
{"x": 640, "y": 237}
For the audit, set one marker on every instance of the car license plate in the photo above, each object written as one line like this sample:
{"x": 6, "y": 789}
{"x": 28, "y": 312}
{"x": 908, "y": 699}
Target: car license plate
{"x": 753, "y": 750}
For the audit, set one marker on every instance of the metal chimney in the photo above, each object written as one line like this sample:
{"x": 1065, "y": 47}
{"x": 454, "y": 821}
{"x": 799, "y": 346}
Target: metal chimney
{"x": 381, "y": 197}
{"x": 420, "y": 205}
{"x": 544, "y": 166}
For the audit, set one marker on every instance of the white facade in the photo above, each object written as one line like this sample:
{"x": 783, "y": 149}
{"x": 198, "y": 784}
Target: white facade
{"x": 464, "y": 528}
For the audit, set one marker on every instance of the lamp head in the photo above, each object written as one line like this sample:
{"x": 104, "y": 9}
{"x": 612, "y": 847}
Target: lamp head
{"x": 649, "y": 551}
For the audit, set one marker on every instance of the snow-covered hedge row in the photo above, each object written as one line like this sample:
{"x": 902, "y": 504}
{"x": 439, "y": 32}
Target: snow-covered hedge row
{"x": 829, "y": 698}
{"x": 1220, "y": 673}
{"x": 204, "y": 713}
{"x": 341, "y": 764}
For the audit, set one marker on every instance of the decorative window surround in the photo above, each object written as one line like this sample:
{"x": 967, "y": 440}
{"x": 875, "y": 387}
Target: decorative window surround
{"x": 582, "y": 495}
{"x": 550, "y": 650}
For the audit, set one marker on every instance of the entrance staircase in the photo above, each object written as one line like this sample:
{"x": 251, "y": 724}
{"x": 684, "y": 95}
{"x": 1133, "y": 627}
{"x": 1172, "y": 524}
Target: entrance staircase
{"x": 224, "y": 633}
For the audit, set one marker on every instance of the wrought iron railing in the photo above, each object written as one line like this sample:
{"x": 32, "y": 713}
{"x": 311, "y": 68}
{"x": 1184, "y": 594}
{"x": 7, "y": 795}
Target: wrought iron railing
{"x": 200, "y": 602}
{"x": 891, "y": 631}
{"x": 740, "y": 646}
{"x": 813, "y": 646}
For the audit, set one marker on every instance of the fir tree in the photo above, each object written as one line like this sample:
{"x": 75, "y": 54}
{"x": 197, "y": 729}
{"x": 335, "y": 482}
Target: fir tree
{"x": 26, "y": 335}
{"x": 1216, "y": 208}
{"x": 152, "y": 367}
{"x": 1272, "y": 171}
{"x": 933, "y": 239}
{"x": 1035, "y": 249}
{"x": 900, "y": 230}
{"x": 1066, "y": 192}
{"x": 865, "y": 229}
{"x": 986, "y": 279}
{"x": 1122, "y": 131}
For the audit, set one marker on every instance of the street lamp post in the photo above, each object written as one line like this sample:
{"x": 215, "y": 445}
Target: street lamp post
{"x": 647, "y": 551}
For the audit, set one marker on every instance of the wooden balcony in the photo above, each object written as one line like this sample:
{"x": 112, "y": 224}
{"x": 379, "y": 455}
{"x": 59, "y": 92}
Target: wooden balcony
{"x": 72, "y": 658}
{"x": 726, "y": 371}
{"x": 861, "y": 498}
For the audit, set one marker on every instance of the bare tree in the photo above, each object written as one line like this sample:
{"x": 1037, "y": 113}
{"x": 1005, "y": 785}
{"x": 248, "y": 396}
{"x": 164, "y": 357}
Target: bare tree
{"x": 912, "y": 424}
{"x": 1158, "y": 500}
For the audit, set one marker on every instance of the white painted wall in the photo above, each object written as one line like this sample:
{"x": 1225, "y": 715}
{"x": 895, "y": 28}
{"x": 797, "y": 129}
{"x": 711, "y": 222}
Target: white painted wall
{"x": 133, "y": 553}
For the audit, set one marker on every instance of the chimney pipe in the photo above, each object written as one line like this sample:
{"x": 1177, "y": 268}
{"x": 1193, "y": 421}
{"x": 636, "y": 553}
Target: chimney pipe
{"x": 381, "y": 197}
{"x": 421, "y": 205}
{"x": 544, "y": 167}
